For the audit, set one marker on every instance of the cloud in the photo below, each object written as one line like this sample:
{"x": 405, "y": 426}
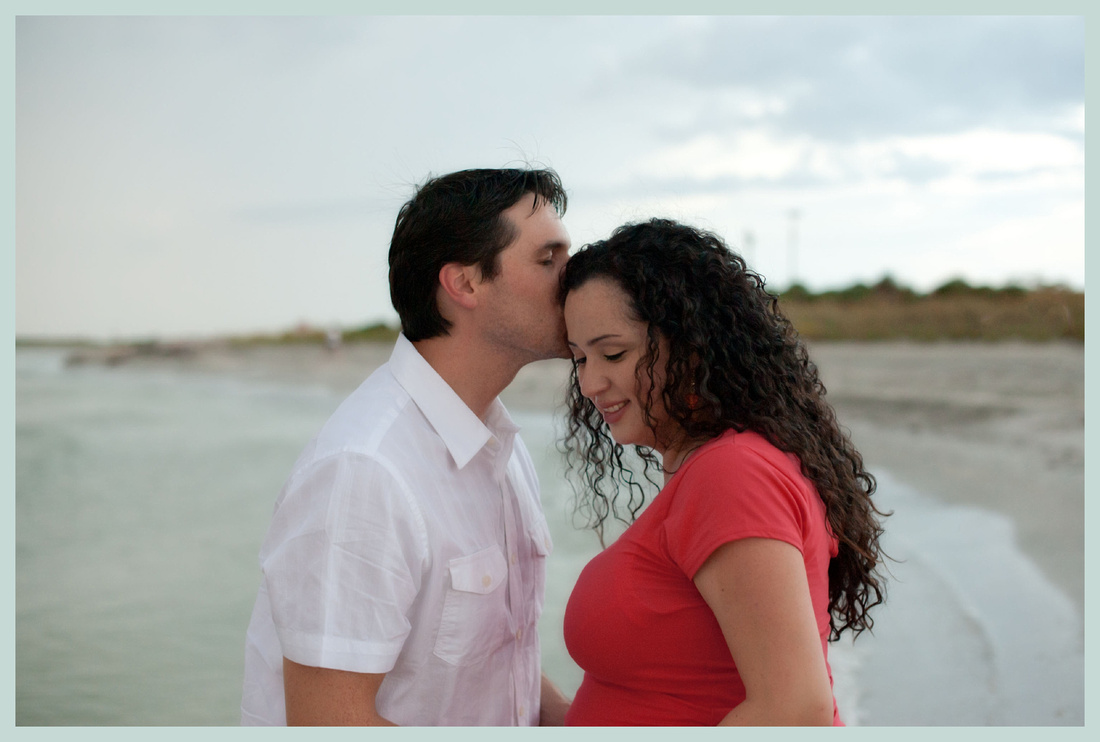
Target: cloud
{"x": 760, "y": 158}
{"x": 844, "y": 79}
{"x": 981, "y": 152}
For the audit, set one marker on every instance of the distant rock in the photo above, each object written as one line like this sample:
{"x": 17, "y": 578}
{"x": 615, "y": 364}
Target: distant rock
{"x": 114, "y": 355}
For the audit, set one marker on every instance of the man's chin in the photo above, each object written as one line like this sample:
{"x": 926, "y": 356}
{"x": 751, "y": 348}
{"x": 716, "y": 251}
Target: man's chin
{"x": 560, "y": 349}
{"x": 553, "y": 354}
{"x": 563, "y": 350}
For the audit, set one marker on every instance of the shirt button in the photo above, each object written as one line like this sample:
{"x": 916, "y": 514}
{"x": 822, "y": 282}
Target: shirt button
{"x": 519, "y": 634}
{"x": 514, "y": 559}
{"x": 521, "y": 711}
{"x": 486, "y": 580}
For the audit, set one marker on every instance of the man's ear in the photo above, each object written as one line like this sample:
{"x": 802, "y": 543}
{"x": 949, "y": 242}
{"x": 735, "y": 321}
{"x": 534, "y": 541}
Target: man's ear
{"x": 459, "y": 283}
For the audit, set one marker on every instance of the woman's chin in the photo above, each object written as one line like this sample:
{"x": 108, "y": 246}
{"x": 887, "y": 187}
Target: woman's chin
{"x": 632, "y": 440}
{"x": 622, "y": 440}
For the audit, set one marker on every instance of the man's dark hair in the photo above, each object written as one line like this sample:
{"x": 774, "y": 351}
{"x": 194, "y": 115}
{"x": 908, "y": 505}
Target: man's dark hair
{"x": 456, "y": 218}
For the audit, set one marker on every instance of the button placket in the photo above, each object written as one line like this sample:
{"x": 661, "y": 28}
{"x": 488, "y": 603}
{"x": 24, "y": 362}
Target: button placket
{"x": 515, "y": 598}
{"x": 517, "y": 602}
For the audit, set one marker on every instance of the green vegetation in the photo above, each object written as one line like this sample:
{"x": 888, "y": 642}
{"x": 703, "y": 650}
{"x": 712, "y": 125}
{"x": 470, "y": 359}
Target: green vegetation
{"x": 377, "y": 332}
{"x": 309, "y": 335}
{"x": 953, "y": 311}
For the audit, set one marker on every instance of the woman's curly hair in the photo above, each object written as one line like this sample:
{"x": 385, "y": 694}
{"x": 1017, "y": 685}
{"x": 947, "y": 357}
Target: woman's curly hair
{"x": 734, "y": 362}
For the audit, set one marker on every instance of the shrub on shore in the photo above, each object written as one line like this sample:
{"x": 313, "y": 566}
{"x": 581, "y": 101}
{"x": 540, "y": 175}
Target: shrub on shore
{"x": 953, "y": 311}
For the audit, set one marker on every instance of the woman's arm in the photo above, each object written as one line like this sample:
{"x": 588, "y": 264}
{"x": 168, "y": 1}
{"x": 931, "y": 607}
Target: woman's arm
{"x": 758, "y": 591}
{"x": 554, "y": 704}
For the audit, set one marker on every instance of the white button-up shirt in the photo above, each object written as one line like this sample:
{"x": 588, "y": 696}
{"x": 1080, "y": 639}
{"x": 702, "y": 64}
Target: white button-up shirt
{"x": 408, "y": 540}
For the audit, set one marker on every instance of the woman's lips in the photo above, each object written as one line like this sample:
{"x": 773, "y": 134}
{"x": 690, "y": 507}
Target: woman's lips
{"x": 614, "y": 412}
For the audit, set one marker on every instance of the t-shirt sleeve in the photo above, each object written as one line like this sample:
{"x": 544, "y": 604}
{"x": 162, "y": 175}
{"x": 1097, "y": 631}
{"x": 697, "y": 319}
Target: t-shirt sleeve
{"x": 343, "y": 563}
{"x": 730, "y": 493}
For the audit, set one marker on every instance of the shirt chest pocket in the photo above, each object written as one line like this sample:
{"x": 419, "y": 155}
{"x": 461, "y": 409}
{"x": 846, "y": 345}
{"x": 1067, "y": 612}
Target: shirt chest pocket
{"x": 475, "y": 614}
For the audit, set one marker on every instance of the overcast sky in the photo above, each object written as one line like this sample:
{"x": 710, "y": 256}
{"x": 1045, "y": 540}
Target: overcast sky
{"x": 181, "y": 177}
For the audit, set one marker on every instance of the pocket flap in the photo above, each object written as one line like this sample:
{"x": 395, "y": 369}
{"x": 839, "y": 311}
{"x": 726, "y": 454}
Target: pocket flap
{"x": 540, "y": 537}
{"x": 481, "y": 572}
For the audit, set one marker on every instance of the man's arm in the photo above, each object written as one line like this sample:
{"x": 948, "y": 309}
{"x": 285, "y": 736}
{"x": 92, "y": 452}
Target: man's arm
{"x": 318, "y": 696}
{"x": 553, "y": 706}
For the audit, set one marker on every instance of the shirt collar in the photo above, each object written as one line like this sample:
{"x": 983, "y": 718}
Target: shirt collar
{"x": 462, "y": 432}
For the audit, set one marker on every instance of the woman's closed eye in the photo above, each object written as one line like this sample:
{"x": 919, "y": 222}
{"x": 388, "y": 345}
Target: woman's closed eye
{"x": 611, "y": 358}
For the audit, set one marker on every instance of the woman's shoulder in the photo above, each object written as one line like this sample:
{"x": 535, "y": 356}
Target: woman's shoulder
{"x": 739, "y": 449}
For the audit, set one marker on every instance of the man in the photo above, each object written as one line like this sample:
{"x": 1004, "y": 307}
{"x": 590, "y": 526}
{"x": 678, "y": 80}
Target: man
{"x": 404, "y": 569}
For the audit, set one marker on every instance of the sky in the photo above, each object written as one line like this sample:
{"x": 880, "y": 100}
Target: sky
{"x": 186, "y": 177}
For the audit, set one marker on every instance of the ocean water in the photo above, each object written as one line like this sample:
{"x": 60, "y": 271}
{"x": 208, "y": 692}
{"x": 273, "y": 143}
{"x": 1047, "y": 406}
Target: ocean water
{"x": 142, "y": 498}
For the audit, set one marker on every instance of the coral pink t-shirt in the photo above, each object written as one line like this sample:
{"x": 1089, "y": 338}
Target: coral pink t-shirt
{"x": 651, "y": 649}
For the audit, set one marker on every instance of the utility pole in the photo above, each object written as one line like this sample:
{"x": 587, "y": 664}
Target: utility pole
{"x": 792, "y": 247}
{"x": 748, "y": 242}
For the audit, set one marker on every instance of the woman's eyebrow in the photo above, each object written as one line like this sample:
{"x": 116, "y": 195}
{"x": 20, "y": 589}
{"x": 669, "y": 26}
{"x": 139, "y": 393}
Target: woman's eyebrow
{"x": 595, "y": 340}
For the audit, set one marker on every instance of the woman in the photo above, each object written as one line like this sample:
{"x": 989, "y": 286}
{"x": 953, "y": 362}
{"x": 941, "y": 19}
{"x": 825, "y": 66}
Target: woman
{"x": 717, "y": 603}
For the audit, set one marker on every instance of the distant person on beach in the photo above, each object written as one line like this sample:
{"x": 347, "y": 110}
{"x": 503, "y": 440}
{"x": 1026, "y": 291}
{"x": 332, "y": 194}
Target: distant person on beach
{"x": 405, "y": 565}
{"x": 716, "y": 604}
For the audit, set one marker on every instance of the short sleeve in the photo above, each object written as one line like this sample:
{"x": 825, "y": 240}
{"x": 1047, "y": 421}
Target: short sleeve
{"x": 730, "y": 492}
{"x": 343, "y": 562}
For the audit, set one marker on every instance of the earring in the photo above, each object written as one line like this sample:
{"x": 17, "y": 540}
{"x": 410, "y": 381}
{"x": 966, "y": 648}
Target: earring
{"x": 692, "y": 398}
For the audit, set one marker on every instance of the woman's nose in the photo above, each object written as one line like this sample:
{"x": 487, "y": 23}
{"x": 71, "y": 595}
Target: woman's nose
{"x": 591, "y": 383}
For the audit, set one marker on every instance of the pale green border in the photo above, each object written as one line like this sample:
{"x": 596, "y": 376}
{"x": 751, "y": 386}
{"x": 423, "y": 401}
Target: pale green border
{"x": 561, "y": 7}
{"x": 1092, "y": 478}
{"x": 7, "y": 368}
{"x": 499, "y": 7}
